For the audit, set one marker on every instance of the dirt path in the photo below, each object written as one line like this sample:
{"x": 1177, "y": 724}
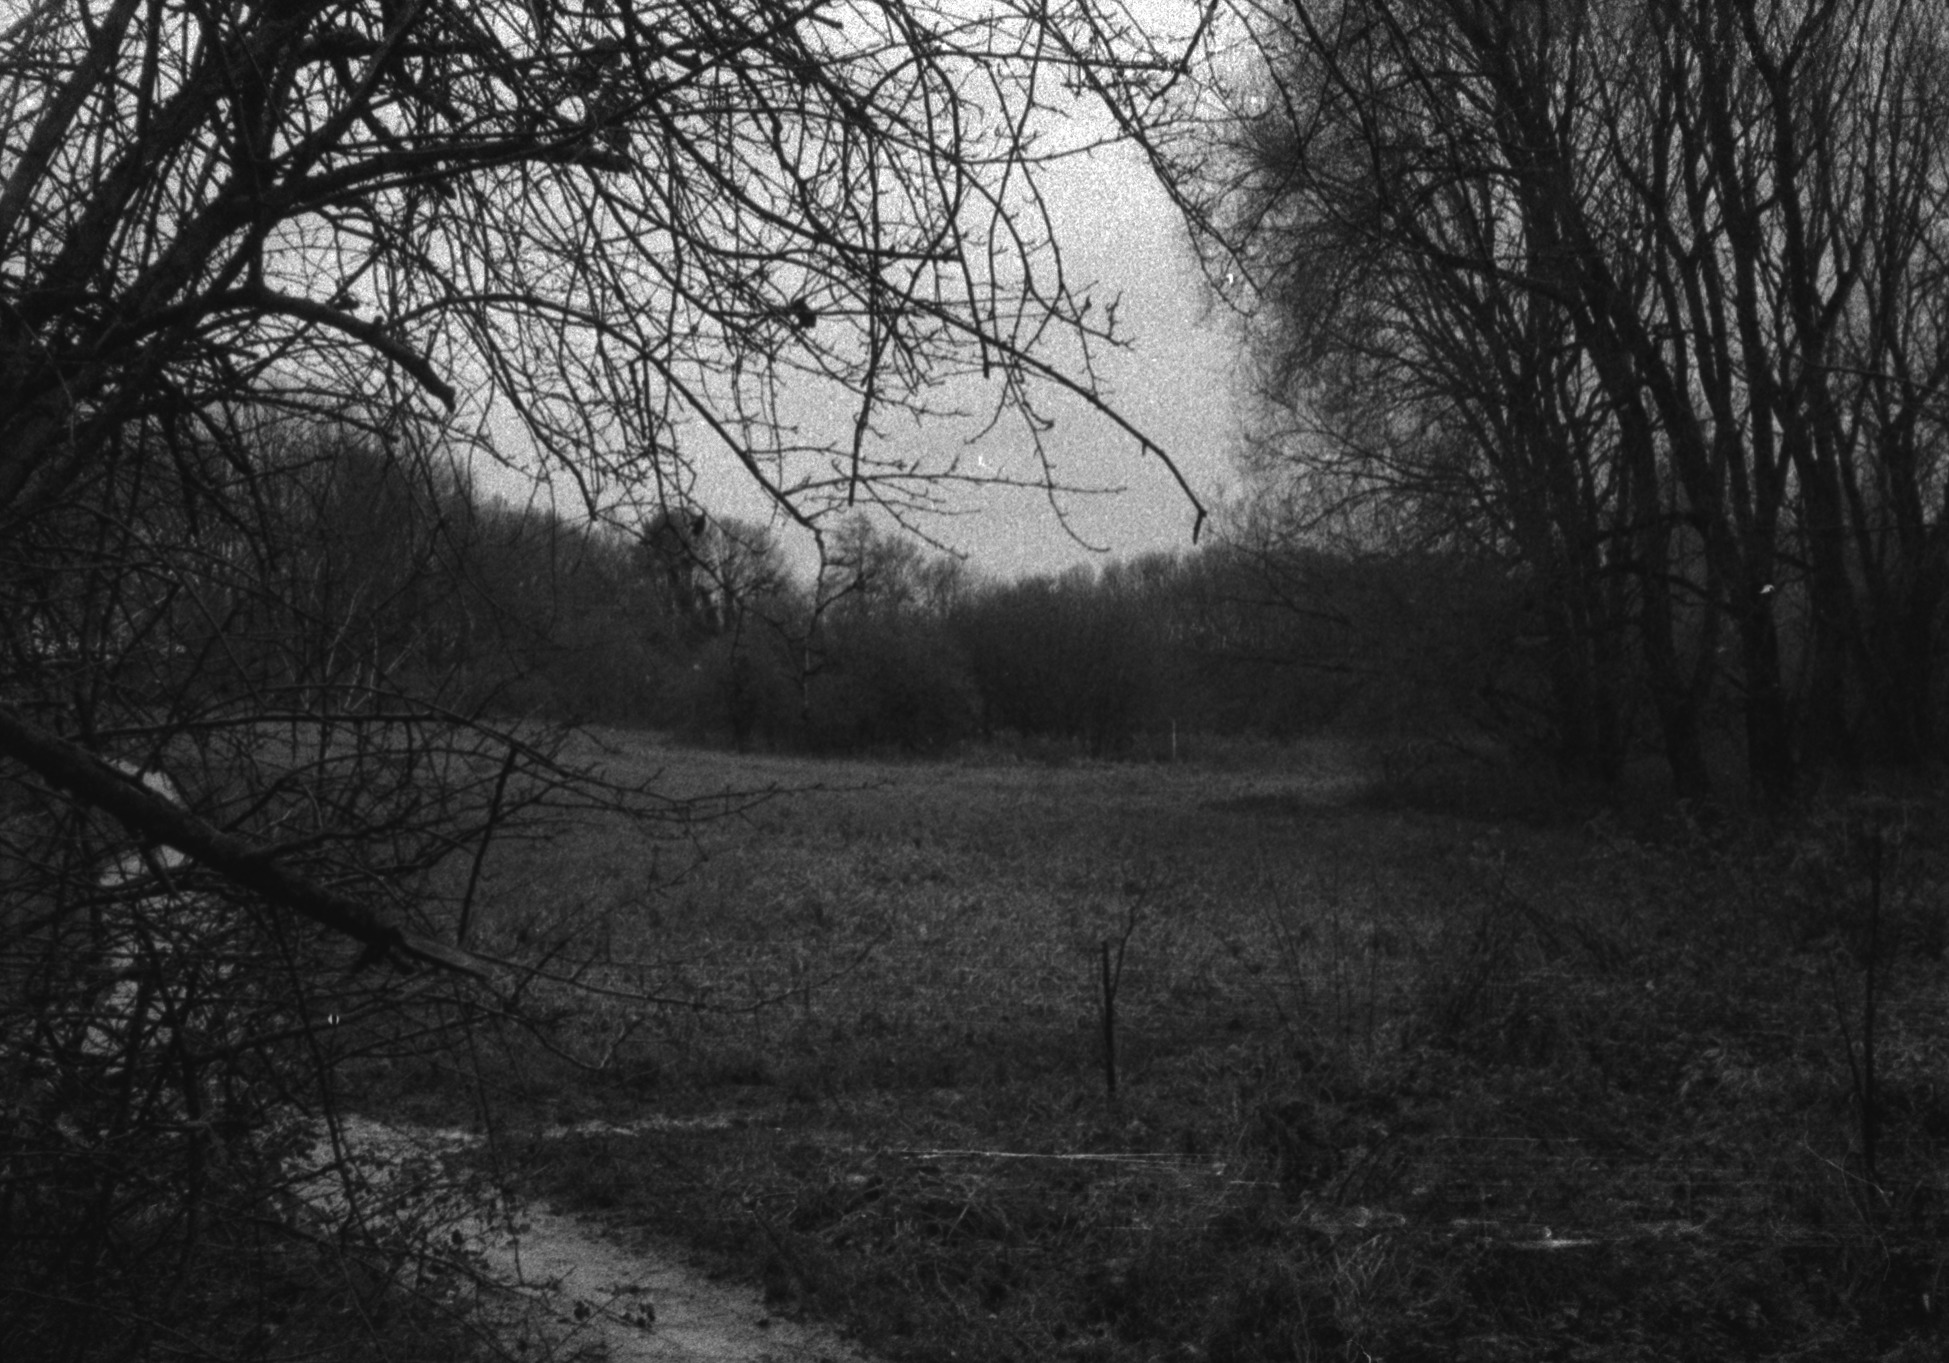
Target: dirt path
{"x": 576, "y": 1289}
{"x": 647, "y": 1307}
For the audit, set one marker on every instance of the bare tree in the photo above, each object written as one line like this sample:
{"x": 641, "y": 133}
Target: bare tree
{"x": 643, "y": 235}
{"x": 1589, "y": 283}
{"x": 269, "y": 271}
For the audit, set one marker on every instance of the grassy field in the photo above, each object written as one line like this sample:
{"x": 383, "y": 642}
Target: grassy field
{"x": 1398, "y": 1073}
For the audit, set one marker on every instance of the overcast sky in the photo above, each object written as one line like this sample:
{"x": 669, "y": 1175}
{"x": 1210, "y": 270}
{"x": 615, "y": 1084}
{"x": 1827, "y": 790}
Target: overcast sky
{"x": 1121, "y": 238}
{"x": 1175, "y": 383}
{"x": 1119, "y": 233}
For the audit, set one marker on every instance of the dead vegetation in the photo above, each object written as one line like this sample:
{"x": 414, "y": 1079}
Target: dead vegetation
{"x": 1393, "y": 1081}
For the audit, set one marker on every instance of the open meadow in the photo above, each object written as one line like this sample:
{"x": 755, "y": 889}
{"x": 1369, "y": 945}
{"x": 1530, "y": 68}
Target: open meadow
{"x": 1392, "y": 1072}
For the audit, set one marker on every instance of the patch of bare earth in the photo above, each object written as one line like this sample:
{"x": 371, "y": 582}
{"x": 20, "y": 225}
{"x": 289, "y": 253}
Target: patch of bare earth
{"x": 561, "y": 1283}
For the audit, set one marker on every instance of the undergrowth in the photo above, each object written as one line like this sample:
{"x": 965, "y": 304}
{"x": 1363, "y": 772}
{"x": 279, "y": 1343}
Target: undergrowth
{"x": 1393, "y": 1084}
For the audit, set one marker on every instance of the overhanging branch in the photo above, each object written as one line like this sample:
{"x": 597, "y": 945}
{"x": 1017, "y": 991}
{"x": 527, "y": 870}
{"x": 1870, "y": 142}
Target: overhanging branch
{"x": 71, "y": 767}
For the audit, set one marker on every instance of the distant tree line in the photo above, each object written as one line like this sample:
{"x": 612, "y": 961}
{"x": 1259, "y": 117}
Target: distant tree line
{"x": 380, "y": 586}
{"x": 385, "y": 581}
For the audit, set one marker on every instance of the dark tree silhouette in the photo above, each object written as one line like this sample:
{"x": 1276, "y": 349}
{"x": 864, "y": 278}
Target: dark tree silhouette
{"x": 607, "y": 241}
{"x": 1643, "y": 302}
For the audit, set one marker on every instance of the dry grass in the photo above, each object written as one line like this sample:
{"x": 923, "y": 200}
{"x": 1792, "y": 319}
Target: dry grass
{"x": 1392, "y": 1082}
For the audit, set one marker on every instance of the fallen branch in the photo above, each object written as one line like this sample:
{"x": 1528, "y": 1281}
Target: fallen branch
{"x": 67, "y": 765}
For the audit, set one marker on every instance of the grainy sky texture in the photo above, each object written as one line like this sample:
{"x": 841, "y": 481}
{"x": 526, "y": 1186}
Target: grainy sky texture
{"x": 1121, "y": 240}
{"x": 1120, "y": 234}
{"x": 1175, "y": 383}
